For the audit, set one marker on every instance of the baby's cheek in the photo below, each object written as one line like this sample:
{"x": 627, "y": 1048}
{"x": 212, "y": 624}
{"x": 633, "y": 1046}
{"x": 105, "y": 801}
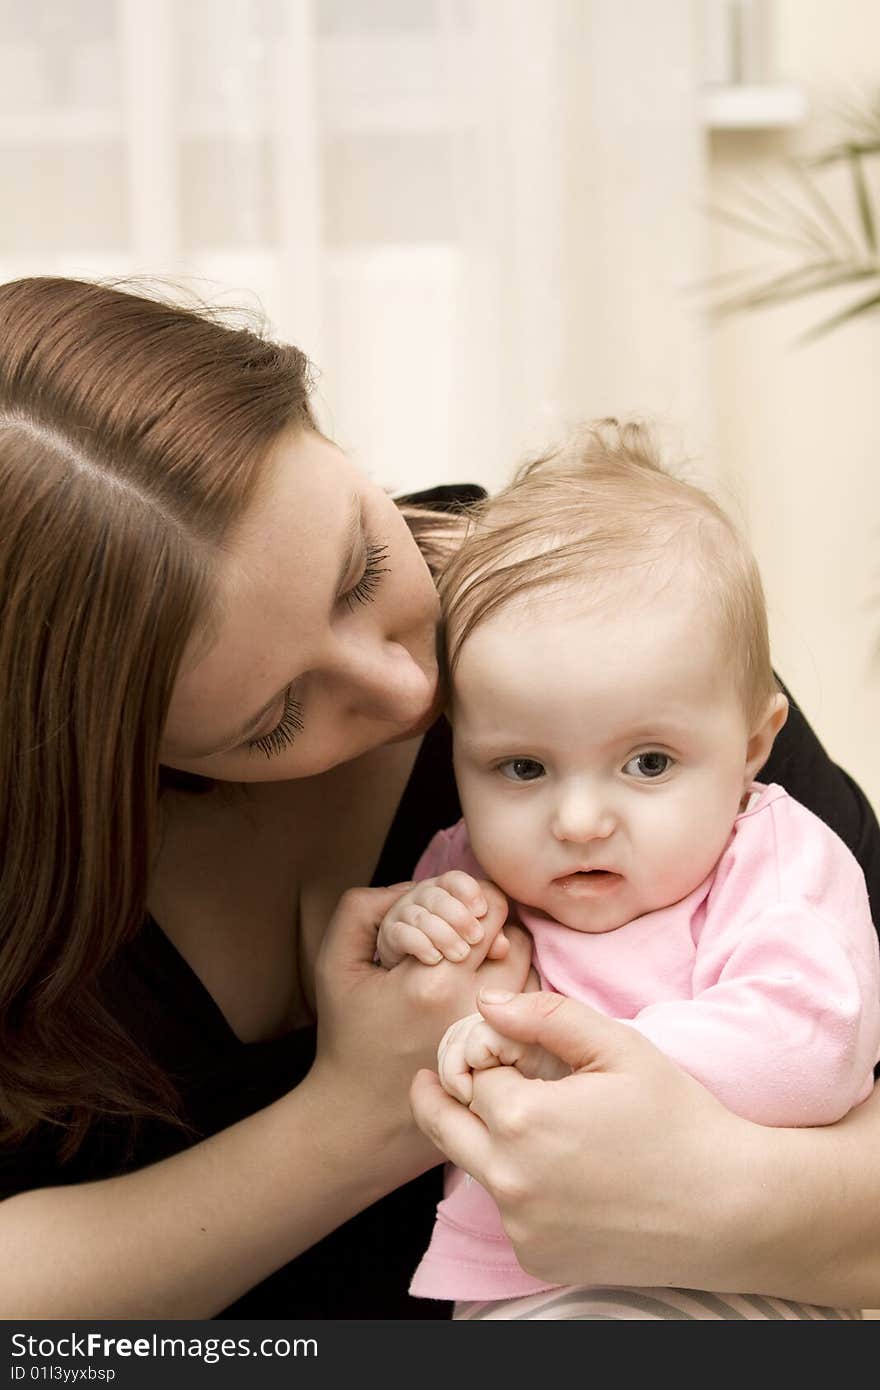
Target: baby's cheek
{"x": 687, "y": 852}
{"x": 524, "y": 878}
{"x": 500, "y": 854}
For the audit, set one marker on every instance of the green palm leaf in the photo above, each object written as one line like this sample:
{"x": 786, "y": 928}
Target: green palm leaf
{"x": 831, "y": 246}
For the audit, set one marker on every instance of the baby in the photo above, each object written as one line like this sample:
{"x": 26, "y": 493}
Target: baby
{"x": 612, "y": 703}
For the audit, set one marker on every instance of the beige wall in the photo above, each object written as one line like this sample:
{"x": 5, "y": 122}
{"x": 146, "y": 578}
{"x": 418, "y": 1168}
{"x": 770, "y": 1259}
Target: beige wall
{"x": 799, "y": 427}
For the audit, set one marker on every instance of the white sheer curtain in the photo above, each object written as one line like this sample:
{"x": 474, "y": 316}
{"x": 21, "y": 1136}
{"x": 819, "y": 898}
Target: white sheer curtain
{"x": 578, "y": 203}
{"x": 481, "y": 217}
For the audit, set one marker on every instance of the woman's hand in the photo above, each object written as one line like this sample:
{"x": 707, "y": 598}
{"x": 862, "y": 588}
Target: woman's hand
{"x": 377, "y": 1027}
{"x": 609, "y": 1175}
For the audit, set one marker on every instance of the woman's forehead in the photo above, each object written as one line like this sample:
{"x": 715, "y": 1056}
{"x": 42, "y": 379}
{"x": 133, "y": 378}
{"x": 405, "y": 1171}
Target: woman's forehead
{"x": 286, "y": 532}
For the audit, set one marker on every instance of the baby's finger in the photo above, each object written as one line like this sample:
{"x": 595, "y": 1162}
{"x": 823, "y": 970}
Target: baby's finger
{"x": 455, "y": 1130}
{"x": 457, "y": 1030}
{"x": 402, "y": 940}
{"x": 442, "y": 904}
{"x": 444, "y": 939}
{"x": 456, "y": 1080}
{"x": 484, "y": 1047}
{"x": 454, "y": 1073}
{"x": 465, "y": 888}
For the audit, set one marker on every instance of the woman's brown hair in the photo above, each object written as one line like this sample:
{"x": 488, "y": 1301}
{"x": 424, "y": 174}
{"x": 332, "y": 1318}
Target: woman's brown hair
{"x": 132, "y": 433}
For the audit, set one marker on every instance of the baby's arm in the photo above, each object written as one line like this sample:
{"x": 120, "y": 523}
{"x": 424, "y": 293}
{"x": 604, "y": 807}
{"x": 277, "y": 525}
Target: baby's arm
{"x": 784, "y": 1024}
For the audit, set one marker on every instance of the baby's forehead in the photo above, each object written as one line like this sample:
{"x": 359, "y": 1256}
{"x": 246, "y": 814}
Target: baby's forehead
{"x": 660, "y": 583}
{"x": 587, "y": 682}
{"x": 674, "y": 565}
{"x": 660, "y": 638}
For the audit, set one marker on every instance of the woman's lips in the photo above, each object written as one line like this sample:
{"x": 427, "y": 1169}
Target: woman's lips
{"x": 589, "y": 882}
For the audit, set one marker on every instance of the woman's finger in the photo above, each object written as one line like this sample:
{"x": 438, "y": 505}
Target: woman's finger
{"x": 451, "y": 1127}
{"x": 501, "y": 1099}
{"x": 515, "y": 959}
{"x": 499, "y": 948}
{"x": 584, "y": 1038}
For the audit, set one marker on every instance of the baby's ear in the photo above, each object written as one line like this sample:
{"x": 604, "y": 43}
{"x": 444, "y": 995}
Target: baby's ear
{"x": 764, "y": 734}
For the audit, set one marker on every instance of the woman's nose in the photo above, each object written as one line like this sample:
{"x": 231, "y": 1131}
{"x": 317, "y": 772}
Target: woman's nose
{"x": 385, "y": 682}
{"x": 581, "y": 814}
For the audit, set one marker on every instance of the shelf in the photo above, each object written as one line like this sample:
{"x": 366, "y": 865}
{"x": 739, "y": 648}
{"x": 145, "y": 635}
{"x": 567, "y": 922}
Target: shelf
{"x": 754, "y": 108}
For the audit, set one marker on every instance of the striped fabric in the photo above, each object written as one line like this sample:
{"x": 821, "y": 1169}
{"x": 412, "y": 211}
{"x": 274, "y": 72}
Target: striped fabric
{"x": 613, "y": 1305}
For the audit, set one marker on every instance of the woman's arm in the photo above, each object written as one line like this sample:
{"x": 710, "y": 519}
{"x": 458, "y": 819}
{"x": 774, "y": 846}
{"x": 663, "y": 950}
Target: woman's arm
{"x": 630, "y": 1172}
{"x": 185, "y": 1237}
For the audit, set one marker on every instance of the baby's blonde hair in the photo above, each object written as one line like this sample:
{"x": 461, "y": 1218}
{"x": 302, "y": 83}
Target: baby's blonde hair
{"x": 603, "y": 508}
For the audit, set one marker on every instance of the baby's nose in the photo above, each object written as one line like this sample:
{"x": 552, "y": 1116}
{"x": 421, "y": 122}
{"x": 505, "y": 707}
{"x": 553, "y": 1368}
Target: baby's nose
{"x": 582, "y": 815}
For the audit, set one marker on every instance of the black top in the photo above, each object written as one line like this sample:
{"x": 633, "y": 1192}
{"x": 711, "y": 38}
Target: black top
{"x": 361, "y": 1270}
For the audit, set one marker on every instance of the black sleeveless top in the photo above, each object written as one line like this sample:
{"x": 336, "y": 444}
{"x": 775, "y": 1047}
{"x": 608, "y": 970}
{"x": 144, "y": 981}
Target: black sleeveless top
{"x": 361, "y": 1270}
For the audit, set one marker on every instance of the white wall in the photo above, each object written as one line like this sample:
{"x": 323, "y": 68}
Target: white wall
{"x": 799, "y": 427}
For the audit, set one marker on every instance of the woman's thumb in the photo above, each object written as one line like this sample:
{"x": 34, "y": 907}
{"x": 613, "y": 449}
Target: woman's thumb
{"x": 584, "y": 1038}
{"x": 350, "y": 938}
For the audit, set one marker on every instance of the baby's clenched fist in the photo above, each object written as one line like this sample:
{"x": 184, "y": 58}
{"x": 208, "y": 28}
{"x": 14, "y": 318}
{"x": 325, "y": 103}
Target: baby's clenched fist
{"x": 438, "y": 919}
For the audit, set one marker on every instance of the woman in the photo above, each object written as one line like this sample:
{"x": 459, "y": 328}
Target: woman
{"x": 195, "y": 581}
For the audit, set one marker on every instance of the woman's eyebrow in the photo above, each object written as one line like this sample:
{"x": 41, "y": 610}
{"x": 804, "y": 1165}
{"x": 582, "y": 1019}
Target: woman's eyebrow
{"x": 350, "y": 540}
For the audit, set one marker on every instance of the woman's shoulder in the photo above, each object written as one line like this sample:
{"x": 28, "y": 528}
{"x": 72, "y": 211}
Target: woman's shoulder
{"x": 446, "y": 497}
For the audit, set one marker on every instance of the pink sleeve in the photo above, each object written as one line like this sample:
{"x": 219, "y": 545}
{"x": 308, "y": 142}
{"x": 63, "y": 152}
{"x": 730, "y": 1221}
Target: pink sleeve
{"x": 444, "y": 852}
{"x": 787, "y": 1030}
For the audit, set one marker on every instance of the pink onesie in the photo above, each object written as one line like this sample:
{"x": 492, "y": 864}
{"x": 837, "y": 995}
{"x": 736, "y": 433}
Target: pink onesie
{"x": 763, "y": 983}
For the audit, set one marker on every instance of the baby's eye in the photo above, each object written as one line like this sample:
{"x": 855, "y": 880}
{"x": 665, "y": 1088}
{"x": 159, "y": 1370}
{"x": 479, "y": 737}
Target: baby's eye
{"x": 521, "y": 769}
{"x": 648, "y": 765}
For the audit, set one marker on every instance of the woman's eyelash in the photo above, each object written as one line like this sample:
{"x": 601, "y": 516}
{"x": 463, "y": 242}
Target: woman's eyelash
{"x": 289, "y": 725}
{"x": 365, "y": 589}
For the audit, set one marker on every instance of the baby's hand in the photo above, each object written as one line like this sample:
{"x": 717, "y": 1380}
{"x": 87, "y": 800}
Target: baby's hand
{"x": 438, "y": 918}
{"x": 472, "y": 1045}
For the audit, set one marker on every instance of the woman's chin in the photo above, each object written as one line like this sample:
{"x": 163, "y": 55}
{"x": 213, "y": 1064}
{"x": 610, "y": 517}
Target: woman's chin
{"x": 430, "y": 716}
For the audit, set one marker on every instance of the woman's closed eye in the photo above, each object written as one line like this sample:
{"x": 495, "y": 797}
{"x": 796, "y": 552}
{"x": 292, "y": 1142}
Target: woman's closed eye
{"x": 363, "y": 590}
{"x": 289, "y": 725}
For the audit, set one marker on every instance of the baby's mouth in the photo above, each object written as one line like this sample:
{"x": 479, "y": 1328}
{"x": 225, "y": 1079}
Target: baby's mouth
{"x": 589, "y": 880}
